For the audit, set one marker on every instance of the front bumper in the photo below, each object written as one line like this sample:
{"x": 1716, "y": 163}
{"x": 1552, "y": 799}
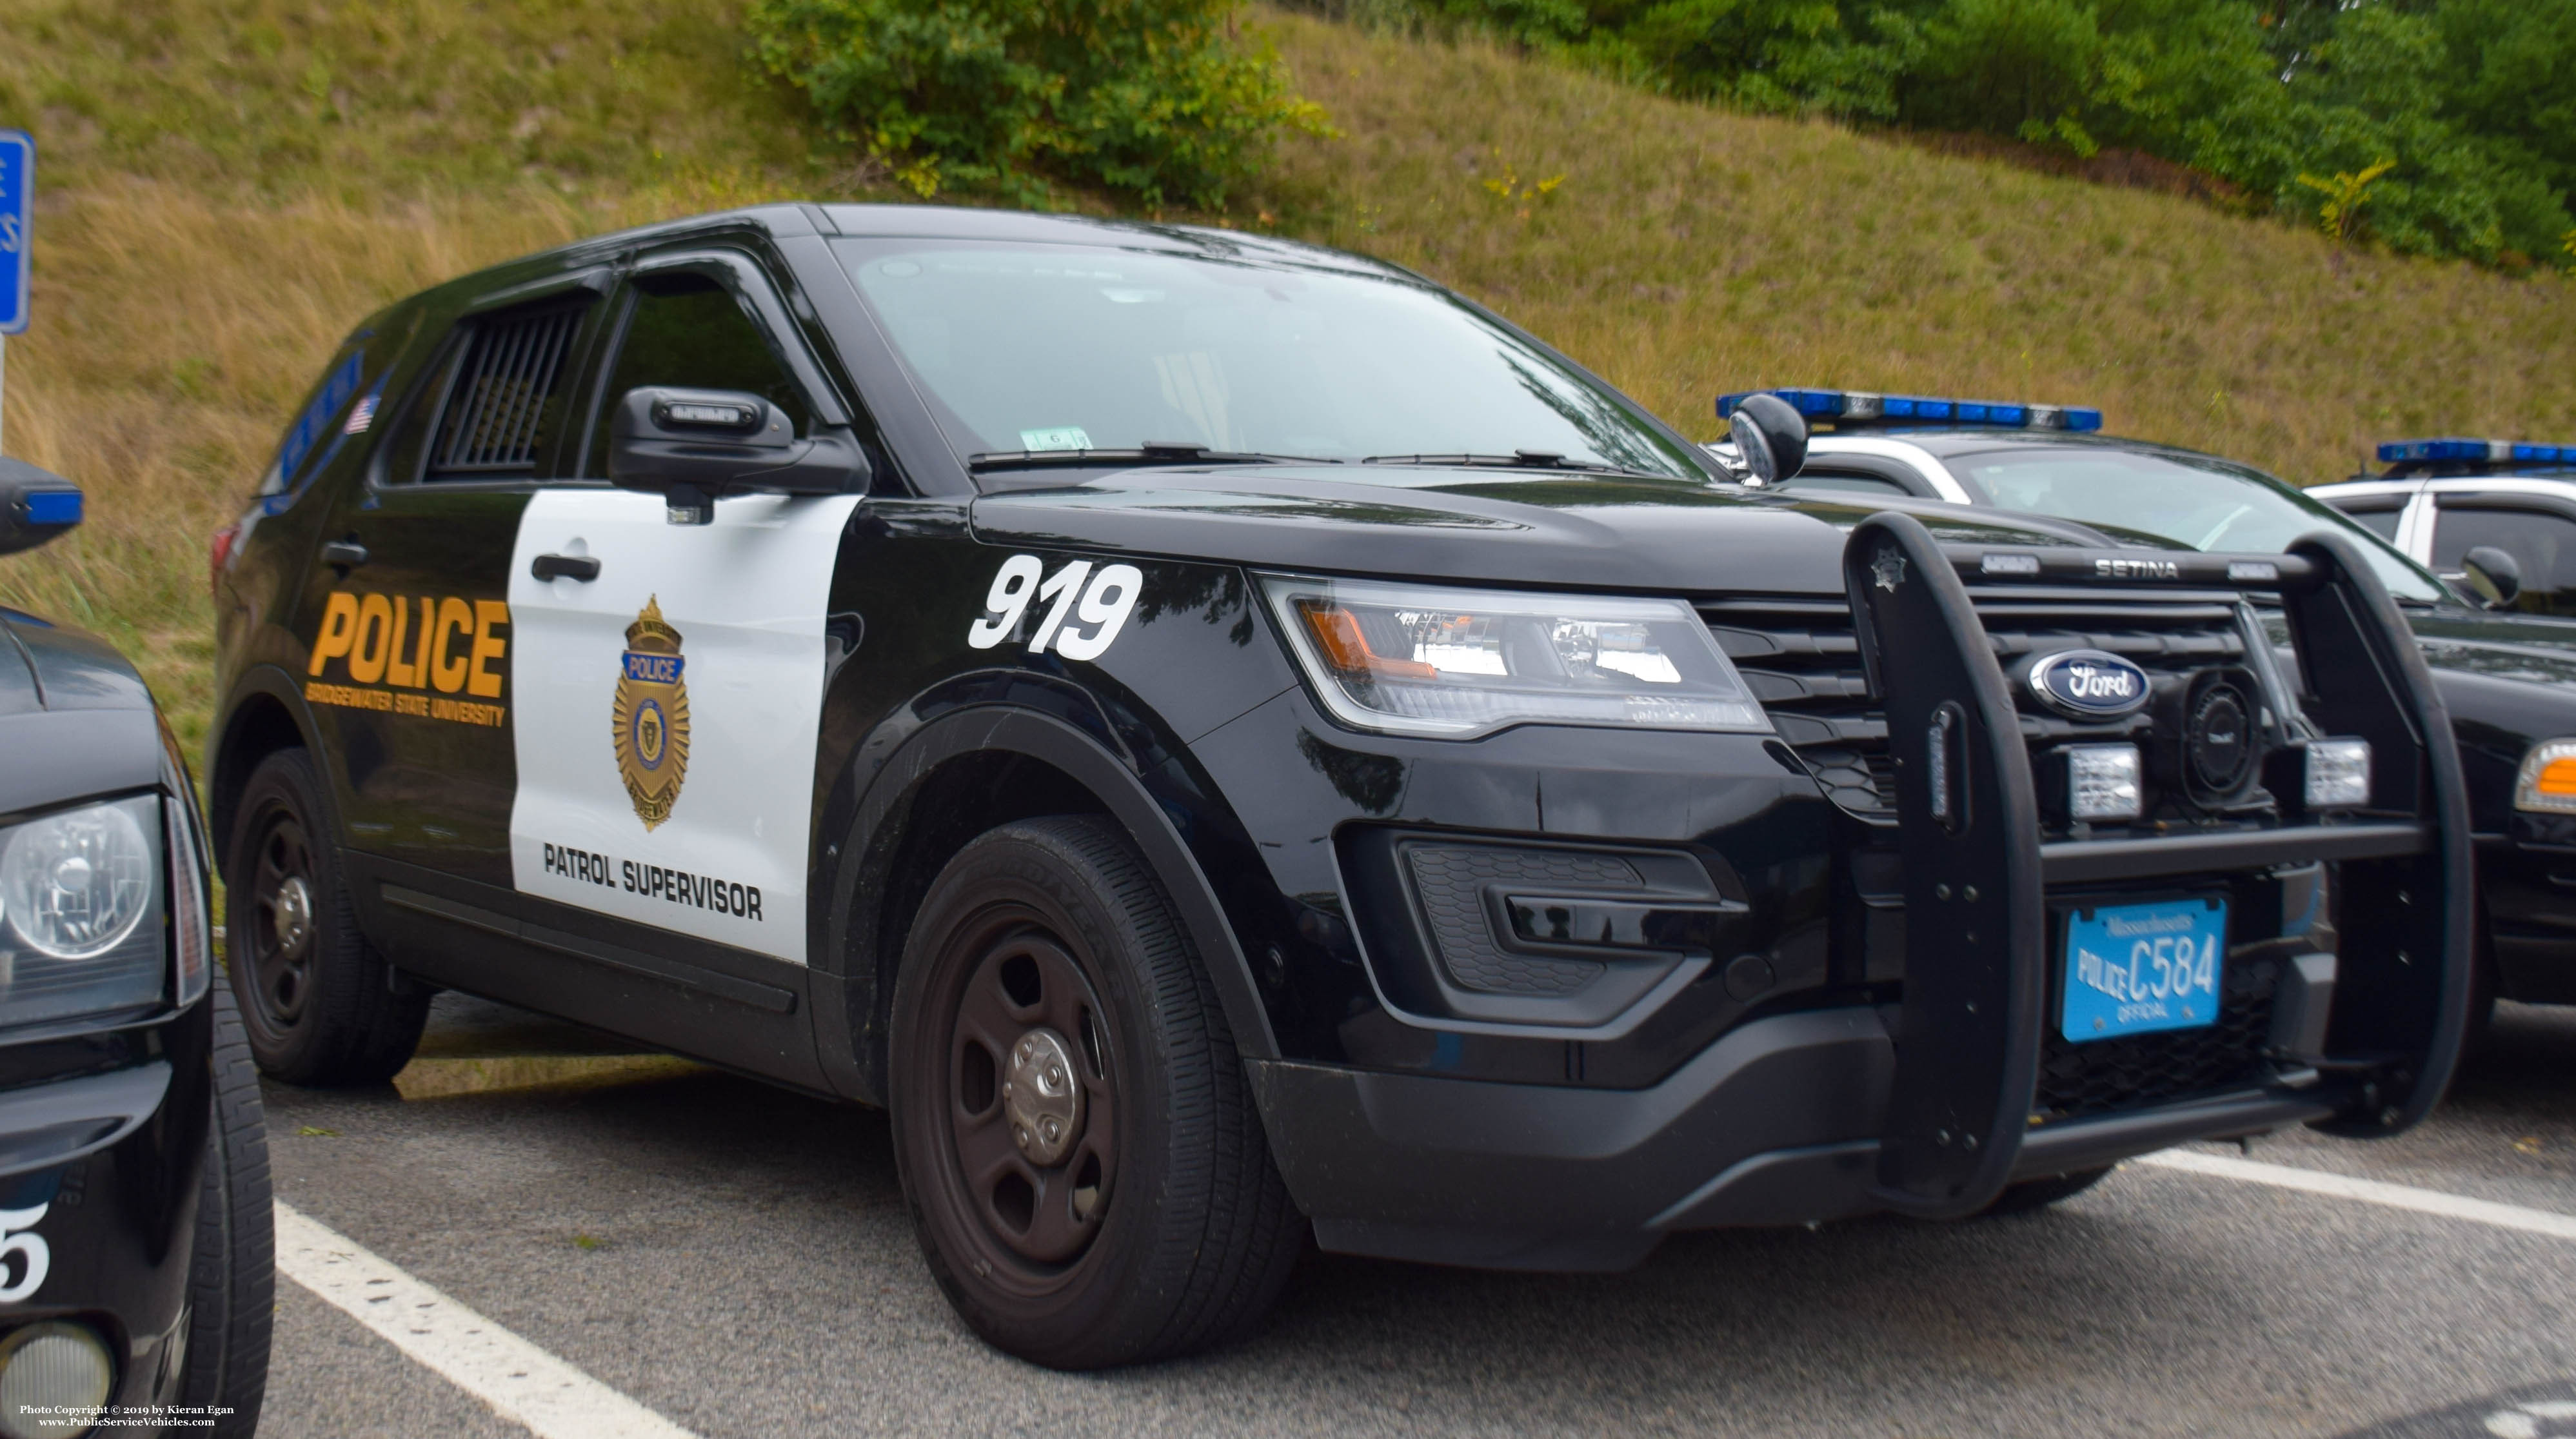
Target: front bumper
{"x": 1778, "y": 1123}
{"x": 107, "y": 1162}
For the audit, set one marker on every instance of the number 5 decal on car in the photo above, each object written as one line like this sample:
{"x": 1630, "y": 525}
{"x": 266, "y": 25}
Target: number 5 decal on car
{"x": 1084, "y": 610}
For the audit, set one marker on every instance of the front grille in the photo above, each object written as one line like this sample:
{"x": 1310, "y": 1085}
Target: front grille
{"x": 1802, "y": 661}
{"x": 2103, "y": 1075}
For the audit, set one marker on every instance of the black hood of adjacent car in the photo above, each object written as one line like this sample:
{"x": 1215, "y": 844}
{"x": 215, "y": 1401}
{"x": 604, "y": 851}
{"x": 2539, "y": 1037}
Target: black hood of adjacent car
{"x": 1494, "y": 526}
{"x": 44, "y": 666}
{"x": 75, "y": 719}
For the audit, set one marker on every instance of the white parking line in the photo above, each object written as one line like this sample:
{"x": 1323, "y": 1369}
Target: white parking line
{"x": 2369, "y": 1191}
{"x": 520, "y": 1380}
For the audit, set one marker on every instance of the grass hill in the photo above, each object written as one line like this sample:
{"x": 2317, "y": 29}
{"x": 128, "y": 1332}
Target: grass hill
{"x": 226, "y": 186}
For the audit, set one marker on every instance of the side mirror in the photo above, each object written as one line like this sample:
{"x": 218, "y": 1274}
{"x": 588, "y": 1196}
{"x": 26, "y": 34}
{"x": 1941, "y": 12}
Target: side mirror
{"x": 692, "y": 446}
{"x": 35, "y": 506}
{"x": 2495, "y": 575}
{"x": 1770, "y": 436}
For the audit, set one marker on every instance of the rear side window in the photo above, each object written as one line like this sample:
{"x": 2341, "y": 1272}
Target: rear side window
{"x": 492, "y": 405}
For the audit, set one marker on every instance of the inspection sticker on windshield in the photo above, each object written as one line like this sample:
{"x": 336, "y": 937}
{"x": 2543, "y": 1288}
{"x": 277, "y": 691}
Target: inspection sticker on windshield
{"x": 1062, "y": 437}
{"x": 2139, "y": 968}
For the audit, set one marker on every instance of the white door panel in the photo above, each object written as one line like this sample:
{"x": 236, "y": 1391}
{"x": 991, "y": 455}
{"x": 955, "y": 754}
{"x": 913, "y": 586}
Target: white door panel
{"x": 714, "y": 716}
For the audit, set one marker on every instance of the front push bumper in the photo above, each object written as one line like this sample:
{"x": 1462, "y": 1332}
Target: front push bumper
{"x": 1926, "y": 1106}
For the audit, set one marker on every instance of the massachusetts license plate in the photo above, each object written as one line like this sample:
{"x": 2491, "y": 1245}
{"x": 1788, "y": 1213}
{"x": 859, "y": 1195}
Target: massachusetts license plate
{"x": 2139, "y": 968}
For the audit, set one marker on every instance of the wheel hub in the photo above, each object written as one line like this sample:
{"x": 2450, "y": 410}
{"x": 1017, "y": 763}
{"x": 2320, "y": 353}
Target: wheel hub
{"x": 294, "y": 911}
{"x": 1042, "y": 1098}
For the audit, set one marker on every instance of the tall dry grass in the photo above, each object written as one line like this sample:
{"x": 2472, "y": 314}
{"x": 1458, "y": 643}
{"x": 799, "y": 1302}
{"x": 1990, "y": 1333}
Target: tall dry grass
{"x": 230, "y": 185}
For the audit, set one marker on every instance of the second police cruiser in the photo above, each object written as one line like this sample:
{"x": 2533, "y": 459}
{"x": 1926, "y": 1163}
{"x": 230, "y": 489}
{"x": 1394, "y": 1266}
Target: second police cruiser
{"x": 1222, "y": 738}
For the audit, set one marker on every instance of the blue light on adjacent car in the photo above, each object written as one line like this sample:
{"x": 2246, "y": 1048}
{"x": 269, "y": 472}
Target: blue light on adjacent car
{"x": 53, "y": 507}
{"x": 2494, "y": 451}
{"x": 1850, "y": 409}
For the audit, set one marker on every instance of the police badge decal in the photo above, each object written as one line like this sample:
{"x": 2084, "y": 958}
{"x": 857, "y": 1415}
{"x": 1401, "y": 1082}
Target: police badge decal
{"x": 651, "y": 717}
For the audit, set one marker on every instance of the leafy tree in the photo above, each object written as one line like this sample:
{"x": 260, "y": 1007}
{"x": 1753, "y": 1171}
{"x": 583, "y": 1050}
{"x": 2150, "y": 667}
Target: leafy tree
{"x": 1148, "y": 97}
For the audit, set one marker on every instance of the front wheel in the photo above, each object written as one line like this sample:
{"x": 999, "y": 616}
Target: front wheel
{"x": 1076, "y": 1137}
{"x": 317, "y": 1001}
{"x": 232, "y": 1273}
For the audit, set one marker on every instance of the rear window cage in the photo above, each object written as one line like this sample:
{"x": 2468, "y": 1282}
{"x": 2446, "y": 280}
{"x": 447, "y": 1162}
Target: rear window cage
{"x": 508, "y": 388}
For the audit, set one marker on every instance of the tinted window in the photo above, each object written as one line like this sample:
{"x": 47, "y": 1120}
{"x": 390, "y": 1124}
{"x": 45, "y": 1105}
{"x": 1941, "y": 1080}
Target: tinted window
{"x": 2543, "y": 542}
{"x": 491, "y": 404}
{"x": 1046, "y": 348}
{"x": 2382, "y": 523}
{"x": 1866, "y": 484}
{"x": 2191, "y": 500}
{"x": 689, "y": 330}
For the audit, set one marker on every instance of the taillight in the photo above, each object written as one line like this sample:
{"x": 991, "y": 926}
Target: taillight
{"x": 219, "y": 553}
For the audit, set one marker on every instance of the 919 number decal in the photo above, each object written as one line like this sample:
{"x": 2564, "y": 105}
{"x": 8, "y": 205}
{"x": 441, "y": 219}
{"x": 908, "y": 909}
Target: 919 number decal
{"x": 1096, "y": 604}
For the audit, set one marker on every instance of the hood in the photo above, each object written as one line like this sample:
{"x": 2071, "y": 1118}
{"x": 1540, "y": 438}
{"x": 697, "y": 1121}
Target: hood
{"x": 2534, "y": 649}
{"x": 1477, "y": 526}
{"x": 46, "y": 667}
{"x": 75, "y": 719}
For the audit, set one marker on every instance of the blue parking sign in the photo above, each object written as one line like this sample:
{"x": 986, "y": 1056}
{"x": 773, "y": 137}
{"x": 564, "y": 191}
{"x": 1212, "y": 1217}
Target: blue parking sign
{"x": 17, "y": 185}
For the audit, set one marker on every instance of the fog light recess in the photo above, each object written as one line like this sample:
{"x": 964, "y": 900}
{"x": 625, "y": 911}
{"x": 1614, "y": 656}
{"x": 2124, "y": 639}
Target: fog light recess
{"x": 55, "y": 1377}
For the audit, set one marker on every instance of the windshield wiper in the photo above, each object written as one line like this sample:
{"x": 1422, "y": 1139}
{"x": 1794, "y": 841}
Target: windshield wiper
{"x": 1152, "y": 452}
{"x": 1516, "y": 460}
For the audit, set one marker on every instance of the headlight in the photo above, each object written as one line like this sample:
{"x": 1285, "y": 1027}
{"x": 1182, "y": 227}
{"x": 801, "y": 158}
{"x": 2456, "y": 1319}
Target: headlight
{"x": 1414, "y": 659}
{"x": 80, "y": 911}
{"x": 2548, "y": 779}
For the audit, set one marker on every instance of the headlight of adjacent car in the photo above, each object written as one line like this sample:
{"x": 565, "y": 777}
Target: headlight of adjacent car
{"x": 1425, "y": 660}
{"x": 80, "y": 911}
{"x": 2548, "y": 779}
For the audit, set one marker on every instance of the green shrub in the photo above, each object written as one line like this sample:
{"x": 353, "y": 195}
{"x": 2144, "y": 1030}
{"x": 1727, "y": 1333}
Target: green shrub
{"x": 1150, "y": 98}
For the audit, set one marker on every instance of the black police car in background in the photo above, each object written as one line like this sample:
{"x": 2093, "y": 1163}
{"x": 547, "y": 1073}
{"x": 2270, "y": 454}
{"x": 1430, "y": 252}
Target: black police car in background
{"x": 1219, "y": 735}
{"x": 135, "y": 1241}
{"x": 2508, "y": 675}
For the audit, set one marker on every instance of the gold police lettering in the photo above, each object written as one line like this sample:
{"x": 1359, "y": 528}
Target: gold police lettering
{"x": 450, "y": 652}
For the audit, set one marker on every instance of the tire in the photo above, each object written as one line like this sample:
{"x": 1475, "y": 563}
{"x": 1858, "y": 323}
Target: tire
{"x": 317, "y": 1002}
{"x": 1148, "y": 1222}
{"x": 232, "y": 1272}
{"x": 2033, "y": 1194}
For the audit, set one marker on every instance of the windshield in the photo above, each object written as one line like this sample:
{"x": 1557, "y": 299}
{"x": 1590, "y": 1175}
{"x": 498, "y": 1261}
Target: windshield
{"x": 2192, "y": 500}
{"x": 1047, "y": 348}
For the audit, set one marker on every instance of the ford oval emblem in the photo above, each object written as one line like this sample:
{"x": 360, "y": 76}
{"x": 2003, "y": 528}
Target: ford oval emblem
{"x": 2088, "y": 684}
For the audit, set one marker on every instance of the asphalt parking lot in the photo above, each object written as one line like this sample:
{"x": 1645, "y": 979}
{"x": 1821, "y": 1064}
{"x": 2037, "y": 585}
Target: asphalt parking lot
{"x": 736, "y": 1260}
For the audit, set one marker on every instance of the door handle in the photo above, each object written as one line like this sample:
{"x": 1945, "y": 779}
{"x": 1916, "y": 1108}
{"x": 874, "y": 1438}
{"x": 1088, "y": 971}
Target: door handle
{"x": 569, "y": 567}
{"x": 344, "y": 554}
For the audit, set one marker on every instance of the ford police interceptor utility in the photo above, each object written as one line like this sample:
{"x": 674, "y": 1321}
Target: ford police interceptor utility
{"x": 1221, "y": 737}
{"x": 2507, "y": 673}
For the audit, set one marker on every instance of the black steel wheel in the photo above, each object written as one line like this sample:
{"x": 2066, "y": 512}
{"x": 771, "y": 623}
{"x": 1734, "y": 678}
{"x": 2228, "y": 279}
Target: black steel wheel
{"x": 1076, "y": 1137}
{"x": 318, "y": 1003}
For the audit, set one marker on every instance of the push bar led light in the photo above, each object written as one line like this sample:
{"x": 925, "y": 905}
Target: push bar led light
{"x": 2338, "y": 773}
{"x": 2102, "y": 782}
{"x": 2501, "y": 452}
{"x": 1847, "y": 409}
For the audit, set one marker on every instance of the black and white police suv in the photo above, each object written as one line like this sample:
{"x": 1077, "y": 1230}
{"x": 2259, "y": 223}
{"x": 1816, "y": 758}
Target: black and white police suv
{"x": 2441, "y": 500}
{"x": 2503, "y": 651}
{"x": 1220, "y": 736}
{"x": 135, "y": 1241}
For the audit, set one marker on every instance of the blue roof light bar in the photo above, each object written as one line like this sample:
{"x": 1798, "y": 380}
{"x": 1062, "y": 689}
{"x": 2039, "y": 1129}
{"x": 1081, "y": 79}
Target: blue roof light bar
{"x": 2502, "y": 452}
{"x": 1853, "y": 408}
